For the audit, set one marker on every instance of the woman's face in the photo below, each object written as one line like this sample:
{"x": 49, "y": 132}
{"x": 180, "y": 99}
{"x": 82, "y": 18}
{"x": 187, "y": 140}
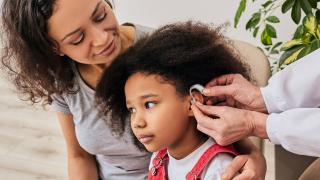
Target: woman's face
{"x": 86, "y": 30}
{"x": 159, "y": 115}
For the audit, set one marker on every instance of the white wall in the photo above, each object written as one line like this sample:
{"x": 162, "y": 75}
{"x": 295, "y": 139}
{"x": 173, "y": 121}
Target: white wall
{"x": 158, "y": 12}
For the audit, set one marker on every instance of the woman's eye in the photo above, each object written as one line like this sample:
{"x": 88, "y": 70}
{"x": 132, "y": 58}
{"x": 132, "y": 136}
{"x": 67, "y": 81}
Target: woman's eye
{"x": 79, "y": 40}
{"x": 149, "y": 105}
{"x": 132, "y": 110}
{"x": 101, "y": 17}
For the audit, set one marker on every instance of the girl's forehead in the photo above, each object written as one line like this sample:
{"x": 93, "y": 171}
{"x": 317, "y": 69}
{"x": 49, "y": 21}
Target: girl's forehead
{"x": 147, "y": 82}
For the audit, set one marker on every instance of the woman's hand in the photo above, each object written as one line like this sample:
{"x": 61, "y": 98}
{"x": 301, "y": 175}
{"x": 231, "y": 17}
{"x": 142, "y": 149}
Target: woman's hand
{"x": 235, "y": 91}
{"x": 250, "y": 165}
{"x": 227, "y": 124}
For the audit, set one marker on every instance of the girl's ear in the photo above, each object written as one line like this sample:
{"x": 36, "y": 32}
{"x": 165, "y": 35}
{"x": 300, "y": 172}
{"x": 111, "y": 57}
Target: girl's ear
{"x": 197, "y": 97}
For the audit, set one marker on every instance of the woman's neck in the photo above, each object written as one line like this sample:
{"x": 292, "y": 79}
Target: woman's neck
{"x": 190, "y": 141}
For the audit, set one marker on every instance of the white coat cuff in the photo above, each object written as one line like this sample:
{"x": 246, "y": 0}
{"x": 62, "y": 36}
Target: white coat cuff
{"x": 271, "y": 102}
{"x": 273, "y": 123}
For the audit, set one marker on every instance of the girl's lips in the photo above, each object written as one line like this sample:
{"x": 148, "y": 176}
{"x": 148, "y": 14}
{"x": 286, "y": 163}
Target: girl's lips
{"x": 145, "y": 138}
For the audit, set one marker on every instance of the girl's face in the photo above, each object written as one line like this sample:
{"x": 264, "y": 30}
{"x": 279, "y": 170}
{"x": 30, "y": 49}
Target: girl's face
{"x": 159, "y": 115}
{"x": 86, "y": 30}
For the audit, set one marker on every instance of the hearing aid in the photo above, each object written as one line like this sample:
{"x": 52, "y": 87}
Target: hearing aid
{"x": 196, "y": 87}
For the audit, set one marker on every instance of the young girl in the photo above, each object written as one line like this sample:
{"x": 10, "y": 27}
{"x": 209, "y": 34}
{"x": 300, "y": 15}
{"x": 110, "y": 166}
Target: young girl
{"x": 151, "y": 82}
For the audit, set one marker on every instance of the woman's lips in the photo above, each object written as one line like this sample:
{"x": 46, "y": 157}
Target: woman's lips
{"x": 145, "y": 138}
{"x": 108, "y": 50}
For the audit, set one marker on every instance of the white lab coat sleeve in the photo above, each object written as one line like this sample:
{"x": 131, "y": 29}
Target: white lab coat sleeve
{"x": 298, "y": 85}
{"x": 297, "y": 130}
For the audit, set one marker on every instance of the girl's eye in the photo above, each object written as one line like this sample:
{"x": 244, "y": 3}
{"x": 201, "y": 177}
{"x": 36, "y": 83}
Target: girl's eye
{"x": 149, "y": 105}
{"x": 79, "y": 40}
{"x": 101, "y": 17}
{"x": 132, "y": 110}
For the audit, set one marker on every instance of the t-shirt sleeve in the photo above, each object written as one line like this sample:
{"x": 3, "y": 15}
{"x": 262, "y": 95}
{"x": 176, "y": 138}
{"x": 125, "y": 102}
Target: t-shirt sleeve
{"x": 217, "y": 166}
{"x": 59, "y": 104}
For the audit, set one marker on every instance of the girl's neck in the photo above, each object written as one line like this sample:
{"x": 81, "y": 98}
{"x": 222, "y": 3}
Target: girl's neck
{"x": 190, "y": 141}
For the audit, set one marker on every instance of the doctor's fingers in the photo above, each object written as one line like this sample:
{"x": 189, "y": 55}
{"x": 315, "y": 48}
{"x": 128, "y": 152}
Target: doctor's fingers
{"x": 235, "y": 166}
{"x": 223, "y": 80}
{"x": 203, "y": 119}
{"x": 219, "y": 91}
{"x": 214, "y": 111}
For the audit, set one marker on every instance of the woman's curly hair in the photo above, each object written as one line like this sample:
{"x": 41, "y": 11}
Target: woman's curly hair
{"x": 183, "y": 54}
{"x": 29, "y": 55}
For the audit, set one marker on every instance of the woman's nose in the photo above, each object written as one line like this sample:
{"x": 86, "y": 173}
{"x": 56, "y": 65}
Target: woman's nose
{"x": 99, "y": 37}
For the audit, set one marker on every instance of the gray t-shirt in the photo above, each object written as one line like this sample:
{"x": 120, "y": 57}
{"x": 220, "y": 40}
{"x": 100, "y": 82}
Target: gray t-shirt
{"x": 117, "y": 158}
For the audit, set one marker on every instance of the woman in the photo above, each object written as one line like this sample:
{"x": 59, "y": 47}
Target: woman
{"x": 56, "y": 51}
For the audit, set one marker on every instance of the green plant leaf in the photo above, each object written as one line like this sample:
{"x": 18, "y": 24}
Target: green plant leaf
{"x": 276, "y": 45}
{"x": 296, "y": 12}
{"x": 318, "y": 31}
{"x": 306, "y": 50}
{"x": 310, "y": 24}
{"x": 299, "y": 32}
{"x": 318, "y": 16}
{"x": 290, "y": 44}
{"x": 313, "y": 3}
{"x": 266, "y": 4}
{"x": 309, "y": 48}
{"x": 273, "y": 19}
{"x": 265, "y": 38}
{"x": 274, "y": 52}
{"x": 306, "y": 7}
{"x": 290, "y": 55}
{"x": 240, "y": 10}
{"x": 307, "y": 38}
{"x": 255, "y": 31}
{"x": 315, "y": 45}
{"x": 287, "y": 5}
{"x": 253, "y": 21}
{"x": 271, "y": 31}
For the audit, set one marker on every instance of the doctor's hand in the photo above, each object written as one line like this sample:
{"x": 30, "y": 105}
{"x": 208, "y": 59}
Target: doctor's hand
{"x": 236, "y": 91}
{"x": 227, "y": 124}
{"x": 250, "y": 164}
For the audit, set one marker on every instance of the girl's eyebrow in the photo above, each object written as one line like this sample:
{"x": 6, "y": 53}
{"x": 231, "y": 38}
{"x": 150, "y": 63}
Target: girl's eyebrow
{"x": 77, "y": 30}
{"x": 144, "y": 97}
{"x": 148, "y": 96}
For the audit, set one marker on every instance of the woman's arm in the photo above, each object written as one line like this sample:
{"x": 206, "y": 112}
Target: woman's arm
{"x": 250, "y": 163}
{"x": 81, "y": 164}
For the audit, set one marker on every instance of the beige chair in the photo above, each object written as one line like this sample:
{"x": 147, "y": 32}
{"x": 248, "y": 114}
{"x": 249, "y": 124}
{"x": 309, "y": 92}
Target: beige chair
{"x": 288, "y": 166}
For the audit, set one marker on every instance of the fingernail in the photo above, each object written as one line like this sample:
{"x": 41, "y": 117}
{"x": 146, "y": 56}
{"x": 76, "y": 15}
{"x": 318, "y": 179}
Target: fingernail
{"x": 205, "y": 91}
{"x": 224, "y": 176}
{"x": 198, "y": 103}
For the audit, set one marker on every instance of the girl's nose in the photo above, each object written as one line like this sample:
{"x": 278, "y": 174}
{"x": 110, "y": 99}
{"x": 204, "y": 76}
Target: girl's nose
{"x": 138, "y": 122}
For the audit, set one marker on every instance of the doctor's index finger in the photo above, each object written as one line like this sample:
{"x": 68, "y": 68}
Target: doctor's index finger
{"x": 222, "y": 80}
{"x": 201, "y": 118}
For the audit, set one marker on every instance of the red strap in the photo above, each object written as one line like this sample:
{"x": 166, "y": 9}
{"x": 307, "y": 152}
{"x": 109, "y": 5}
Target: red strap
{"x": 207, "y": 156}
{"x": 158, "y": 171}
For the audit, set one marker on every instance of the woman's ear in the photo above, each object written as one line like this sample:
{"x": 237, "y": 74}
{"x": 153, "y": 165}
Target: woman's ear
{"x": 196, "y": 97}
{"x": 57, "y": 51}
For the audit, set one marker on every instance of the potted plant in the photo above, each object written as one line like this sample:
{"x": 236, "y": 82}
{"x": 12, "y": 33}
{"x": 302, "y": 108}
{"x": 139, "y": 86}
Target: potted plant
{"x": 306, "y": 36}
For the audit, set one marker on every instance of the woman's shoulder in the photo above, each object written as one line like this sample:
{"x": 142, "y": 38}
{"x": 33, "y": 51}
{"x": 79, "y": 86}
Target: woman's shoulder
{"x": 137, "y": 31}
